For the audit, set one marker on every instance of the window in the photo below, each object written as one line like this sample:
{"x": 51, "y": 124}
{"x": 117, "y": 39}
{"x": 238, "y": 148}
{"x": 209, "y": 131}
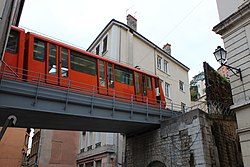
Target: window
{"x": 110, "y": 76}
{"x": 162, "y": 84}
{"x": 52, "y": 59}
{"x": 97, "y": 137}
{"x": 97, "y": 50}
{"x": 183, "y": 107}
{"x": 39, "y": 50}
{"x": 64, "y": 69}
{"x": 157, "y": 90}
{"x": 149, "y": 83}
{"x": 102, "y": 78}
{"x": 165, "y": 66}
{"x": 82, "y": 63}
{"x": 105, "y": 44}
{"x": 98, "y": 163}
{"x": 144, "y": 84}
{"x": 90, "y": 164}
{"x": 159, "y": 61}
{"x": 123, "y": 75}
{"x": 89, "y": 138}
{"x": 167, "y": 90}
{"x": 137, "y": 83}
{"x": 181, "y": 85}
{"x": 12, "y": 45}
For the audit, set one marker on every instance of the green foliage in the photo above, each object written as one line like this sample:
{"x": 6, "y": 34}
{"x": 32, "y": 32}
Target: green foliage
{"x": 194, "y": 93}
{"x": 218, "y": 87}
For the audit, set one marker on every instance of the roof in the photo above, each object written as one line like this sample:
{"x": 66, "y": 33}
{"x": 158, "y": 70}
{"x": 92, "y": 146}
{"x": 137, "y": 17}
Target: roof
{"x": 113, "y": 21}
{"x": 232, "y": 20}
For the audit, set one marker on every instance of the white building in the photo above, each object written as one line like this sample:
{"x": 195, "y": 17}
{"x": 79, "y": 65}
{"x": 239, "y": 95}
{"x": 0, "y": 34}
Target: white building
{"x": 99, "y": 149}
{"x": 234, "y": 27}
{"x": 122, "y": 43}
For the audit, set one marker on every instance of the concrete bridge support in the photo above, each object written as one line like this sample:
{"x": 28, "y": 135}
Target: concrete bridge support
{"x": 195, "y": 139}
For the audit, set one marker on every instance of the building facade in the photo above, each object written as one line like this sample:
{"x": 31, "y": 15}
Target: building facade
{"x": 223, "y": 70}
{"x": 122, "y": 43}
{"x": 234, "y": 27}
{"x": 54, "y": 148}
{"x": 99, "y": 149}
{"x": 14, "y": 147}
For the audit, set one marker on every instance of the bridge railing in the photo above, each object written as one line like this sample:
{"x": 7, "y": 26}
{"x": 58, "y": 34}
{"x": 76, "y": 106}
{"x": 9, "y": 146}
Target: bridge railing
{"x": 39, "y": 79}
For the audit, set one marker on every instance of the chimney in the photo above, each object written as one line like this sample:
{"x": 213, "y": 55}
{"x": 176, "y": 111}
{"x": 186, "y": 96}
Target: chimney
{"x": 132, "y": 22}
{"x": 167, "y": 48}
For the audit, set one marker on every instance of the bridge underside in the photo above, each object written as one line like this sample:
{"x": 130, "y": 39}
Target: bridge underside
{"x": 37, "y": 106}
{"x": 47, "y": 120}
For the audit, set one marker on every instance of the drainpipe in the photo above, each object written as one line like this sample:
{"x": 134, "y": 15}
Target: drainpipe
{"x": 155, "y": 61}
{"x": 120, "y": 42}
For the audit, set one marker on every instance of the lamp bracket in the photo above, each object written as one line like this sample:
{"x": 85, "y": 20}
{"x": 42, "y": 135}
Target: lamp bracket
{"x": 238, "y": 70}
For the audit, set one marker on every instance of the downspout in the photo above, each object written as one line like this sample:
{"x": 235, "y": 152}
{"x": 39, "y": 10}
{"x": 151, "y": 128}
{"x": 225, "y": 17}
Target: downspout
{"x": 155, "y": 61}
{"x": 120, "y": 42}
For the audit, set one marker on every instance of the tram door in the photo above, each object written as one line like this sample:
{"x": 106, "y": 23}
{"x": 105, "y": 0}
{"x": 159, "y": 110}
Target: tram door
{"x": 102, "y": 83}
{"x": 106, "y": 78}
{"x": 63, "y": 66}
{"x": 110, "y": 79}
{"x": 57, "y": 65}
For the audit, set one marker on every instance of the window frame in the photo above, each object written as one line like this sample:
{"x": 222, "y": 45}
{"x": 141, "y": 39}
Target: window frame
{"x": 39, "y": 58}
{"x": 84, "y": 58}
{"x": 13, "y": 38}
{"x": 159, "y": 62}
{"x": 97, "y": 49}
{"x": 124, "y": 75}
{"x": 105, "y": 45}
{"x": 183, "y": 107}
{"x": 167, "y": 90}
{"x": 165, "y": 66}
{"x": 181, "y": 85}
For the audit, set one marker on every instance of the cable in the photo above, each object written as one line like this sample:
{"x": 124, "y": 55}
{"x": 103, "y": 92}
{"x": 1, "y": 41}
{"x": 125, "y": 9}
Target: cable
{"x": 182, "y": 20}
{"x": 174, "y": 28}
{"x": 48, "y": 36}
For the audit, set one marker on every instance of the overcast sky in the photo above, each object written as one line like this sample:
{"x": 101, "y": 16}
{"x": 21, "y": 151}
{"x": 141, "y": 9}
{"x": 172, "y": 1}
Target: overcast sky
{"x": 185, "y": 24}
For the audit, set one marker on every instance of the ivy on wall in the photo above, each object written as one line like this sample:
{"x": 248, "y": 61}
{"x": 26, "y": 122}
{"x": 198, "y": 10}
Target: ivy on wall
{"x": 217, "y": 87}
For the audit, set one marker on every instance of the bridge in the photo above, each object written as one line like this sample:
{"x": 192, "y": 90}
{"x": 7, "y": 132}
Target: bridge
{"x": 37, "y": 104}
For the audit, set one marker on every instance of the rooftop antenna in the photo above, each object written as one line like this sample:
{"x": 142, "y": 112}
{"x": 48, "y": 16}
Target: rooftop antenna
{"x": 129, "y": 9}
{"x": 135, "y": 13}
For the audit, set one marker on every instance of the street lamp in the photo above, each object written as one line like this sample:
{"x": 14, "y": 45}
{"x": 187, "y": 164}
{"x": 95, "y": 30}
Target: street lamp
{"x": 221, "y": 56}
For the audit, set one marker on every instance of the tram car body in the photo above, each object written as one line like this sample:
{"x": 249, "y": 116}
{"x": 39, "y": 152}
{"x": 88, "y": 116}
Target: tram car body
{"x": 37, "y": 58}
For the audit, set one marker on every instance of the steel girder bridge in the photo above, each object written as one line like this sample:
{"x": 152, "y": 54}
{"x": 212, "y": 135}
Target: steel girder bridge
{"x": 46, "y": 106}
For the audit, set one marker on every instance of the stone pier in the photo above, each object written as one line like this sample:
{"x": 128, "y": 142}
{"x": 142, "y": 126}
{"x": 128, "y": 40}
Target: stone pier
{"x": 194, "y": 139}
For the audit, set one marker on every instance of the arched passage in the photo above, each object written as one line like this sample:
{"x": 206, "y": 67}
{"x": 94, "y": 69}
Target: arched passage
{"x": 156, "y": 164}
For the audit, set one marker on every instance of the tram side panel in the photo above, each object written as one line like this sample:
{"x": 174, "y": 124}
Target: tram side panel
{"x": 14, "y": 54}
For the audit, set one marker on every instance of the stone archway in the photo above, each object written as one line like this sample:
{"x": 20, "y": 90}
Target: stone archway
{"x": 156, "y": 164}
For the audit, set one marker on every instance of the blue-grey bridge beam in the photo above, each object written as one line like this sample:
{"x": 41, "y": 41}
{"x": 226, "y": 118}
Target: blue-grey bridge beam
{"x": 44, "y": 107}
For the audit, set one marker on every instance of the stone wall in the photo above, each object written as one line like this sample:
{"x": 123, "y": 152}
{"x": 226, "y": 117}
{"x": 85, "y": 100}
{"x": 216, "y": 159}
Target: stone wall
{"x": 189, "y": 140}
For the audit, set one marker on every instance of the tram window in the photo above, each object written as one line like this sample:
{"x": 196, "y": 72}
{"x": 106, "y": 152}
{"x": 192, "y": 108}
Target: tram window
{"x": 137, "y": 83}
{"x": 82, "y": 63}
{"x": 52, "y": 59}
{"x": 39, "y": 50}
{"x": 157, "y": 90}
{"x": 64, "y": 69}
{"x": 12, "y": 45}
{"x": 123, "y": 75}
{"x": 144, "y": 85}
{"x": 102, "y": 78}
{"x": 149, "y": 83}
{"x": 110, "y": 76}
